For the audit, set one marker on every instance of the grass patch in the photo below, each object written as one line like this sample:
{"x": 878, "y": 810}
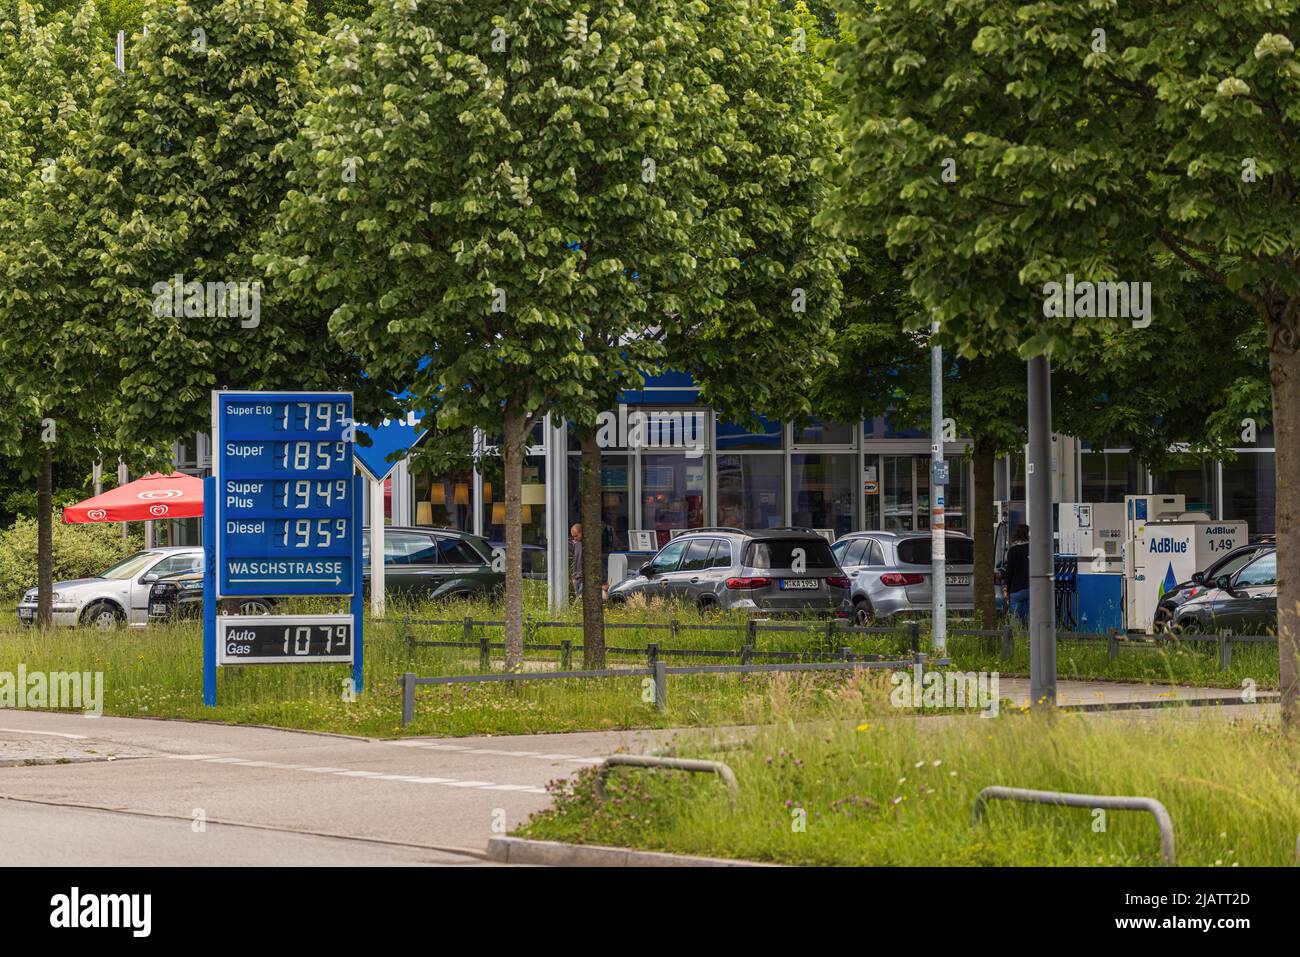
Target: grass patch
{"x": 157, "y": 672}
{"x": 891, "y": 791}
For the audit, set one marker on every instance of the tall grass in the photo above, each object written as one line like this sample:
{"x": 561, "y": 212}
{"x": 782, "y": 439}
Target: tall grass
{"x": 881, "y": 790}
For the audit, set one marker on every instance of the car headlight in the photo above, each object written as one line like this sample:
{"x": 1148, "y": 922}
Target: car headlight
{"x": 191, "y": 586}
{"x": 30, "y": 595}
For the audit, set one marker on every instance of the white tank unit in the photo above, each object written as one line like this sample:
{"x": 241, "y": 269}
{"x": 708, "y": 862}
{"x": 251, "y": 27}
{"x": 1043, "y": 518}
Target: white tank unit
{"x": 1095, "y": 532}
{"x": 1165, "y": 553}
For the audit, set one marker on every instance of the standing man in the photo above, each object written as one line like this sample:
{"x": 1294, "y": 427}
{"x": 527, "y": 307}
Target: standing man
{"x": 575, "y": 559}
{"x": 1015, "y": 575}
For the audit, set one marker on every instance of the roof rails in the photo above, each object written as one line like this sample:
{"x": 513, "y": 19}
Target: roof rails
{"x": 714, "y": 528}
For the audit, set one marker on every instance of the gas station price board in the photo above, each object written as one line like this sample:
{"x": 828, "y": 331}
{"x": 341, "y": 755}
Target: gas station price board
{"x": 285, "y": 502}
{"x": 283, "y": 639}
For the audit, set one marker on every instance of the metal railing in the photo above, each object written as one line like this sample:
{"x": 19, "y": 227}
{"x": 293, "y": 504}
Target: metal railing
{"x": 694, "y": 765}
{"x": 659, "y": 671}
{"x": 1066, "y": 799}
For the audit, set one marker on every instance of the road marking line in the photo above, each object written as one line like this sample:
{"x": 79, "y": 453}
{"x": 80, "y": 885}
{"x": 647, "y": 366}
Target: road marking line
{"x": 53, "y": 734}
{"x": 497, "y": 751}
{"x": 365, "y": 775}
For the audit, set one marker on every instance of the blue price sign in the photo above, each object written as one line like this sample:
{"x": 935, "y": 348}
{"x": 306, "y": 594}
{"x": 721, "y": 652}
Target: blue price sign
{"x": 283, "y": 471}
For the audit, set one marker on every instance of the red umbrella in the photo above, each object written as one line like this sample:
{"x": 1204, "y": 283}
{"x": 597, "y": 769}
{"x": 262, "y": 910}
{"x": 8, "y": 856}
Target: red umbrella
{"x": 154, "y": 496}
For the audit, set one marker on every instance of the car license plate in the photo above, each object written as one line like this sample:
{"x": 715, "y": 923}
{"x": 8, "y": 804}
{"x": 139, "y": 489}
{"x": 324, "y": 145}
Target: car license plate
{"x": 799, "y": 584}
{"x": 158, "y": 609}
{"x": 26, "y": 614}
{"x": 958, "y": 579}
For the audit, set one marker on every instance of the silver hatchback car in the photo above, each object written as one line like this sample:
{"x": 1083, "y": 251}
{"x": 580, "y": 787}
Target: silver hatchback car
{"x": 891, "y": 573}
{"x": 775, "y": 571}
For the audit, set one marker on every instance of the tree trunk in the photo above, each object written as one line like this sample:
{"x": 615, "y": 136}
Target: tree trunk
{"x": 593, "y": 606}
{"x": 45, "y": 541}
{"x": 982, "y": 530}
{"x": 1284, "y": 372}
{"x": 513, "y": 454}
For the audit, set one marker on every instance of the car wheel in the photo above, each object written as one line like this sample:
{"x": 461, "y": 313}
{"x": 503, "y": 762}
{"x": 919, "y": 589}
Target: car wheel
{"x": 254, "y": 606}
{"x": 103, "y": 615}
{"x": 862, "y": 614}
{"x": 707, "y": 605}
{"x": 1188, "y": 626}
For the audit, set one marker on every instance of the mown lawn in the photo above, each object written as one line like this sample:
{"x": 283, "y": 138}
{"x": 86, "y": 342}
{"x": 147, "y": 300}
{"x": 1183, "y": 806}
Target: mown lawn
{"x": 891, "y": 791}
{"x": 157, "y": 672}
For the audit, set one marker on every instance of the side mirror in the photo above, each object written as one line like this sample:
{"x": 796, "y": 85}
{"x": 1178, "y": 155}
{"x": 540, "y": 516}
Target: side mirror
{"x": 147, "y": 579}
{"x": 647, "y": 570}
{"x": 1198, "y": 577}
{"x": 1224, "y": 582}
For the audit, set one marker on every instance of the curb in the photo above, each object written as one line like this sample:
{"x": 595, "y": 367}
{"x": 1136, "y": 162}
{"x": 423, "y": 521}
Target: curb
{"x": 519, "y": 850}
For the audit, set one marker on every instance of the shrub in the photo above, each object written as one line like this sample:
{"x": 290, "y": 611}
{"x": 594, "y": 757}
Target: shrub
{"x": 79, "y": 552}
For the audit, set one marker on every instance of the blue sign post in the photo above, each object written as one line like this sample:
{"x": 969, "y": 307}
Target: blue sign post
{"x": 282, "y": 517}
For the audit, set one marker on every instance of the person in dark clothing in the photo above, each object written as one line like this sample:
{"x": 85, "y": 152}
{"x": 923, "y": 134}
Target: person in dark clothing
{"x": 575, "y": 559}
{"x": 1015, "y": 575}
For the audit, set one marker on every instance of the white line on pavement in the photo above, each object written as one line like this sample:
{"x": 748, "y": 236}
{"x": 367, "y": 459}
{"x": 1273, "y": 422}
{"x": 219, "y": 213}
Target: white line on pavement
{"x": 368, "y": 775}
{"x": 572, "y": 758}
{"x": 53, "y": 734}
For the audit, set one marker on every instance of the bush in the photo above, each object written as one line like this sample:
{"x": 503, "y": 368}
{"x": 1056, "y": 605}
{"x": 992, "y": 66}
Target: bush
{"x": 80, "y": 551}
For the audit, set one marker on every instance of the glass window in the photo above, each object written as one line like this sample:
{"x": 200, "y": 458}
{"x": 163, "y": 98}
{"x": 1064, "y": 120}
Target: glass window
{"x": 818, "y": 432}
{"x": 766, "y": 435}
{"x": 615, "y": 499}
{"x": 668, "y": 557}
{"x": 875, "y": 555}
{"x": 853, "y": 554}
{"x": 1260, "y": 572}
{"x": 916, "y": 551}
{"x": 1104, "y": 476}
{"x": 768, "y": 554}
{"x": 751, "y": 491}
{"x": 444, "y": 501}
{"x": 1230, "y": 565}
{"x": 178, "y": 565}
{"x": 130, "y": 566}
{"x": 672, "y": 493}
{"x": 1195, "y": 482}
{"x": 897, "y": 486}
{"x": 534, "y": 507}
{"x": 722, "y": 555}
{"x": 823, "y": 490}
{"x": 407, "y": 548}
{"x": 697, "y": 555}
{"x": 1250, "y": 491}
{"x": 456, "y": 551}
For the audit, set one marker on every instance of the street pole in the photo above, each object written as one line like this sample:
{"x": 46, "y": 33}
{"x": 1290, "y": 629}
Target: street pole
{"x": 1042, "y": 604}
{"x": 938, "y": 562}
{"x": 376, "y": 546}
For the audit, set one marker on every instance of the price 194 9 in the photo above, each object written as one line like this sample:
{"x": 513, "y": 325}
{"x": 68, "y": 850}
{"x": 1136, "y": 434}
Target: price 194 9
{"x": 305, "y": 494}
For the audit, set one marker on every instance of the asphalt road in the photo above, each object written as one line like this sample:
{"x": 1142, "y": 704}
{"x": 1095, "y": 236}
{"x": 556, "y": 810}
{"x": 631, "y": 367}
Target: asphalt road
{"x": 128, "y": 790}
{"x": 122, "y": 791}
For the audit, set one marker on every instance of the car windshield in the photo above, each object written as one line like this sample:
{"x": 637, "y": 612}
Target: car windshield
{"x": 1231, "y": 564}
{"x": 779, "y": 553}
{"x": 130, "y": 566}
{"x": 916, "y": 551}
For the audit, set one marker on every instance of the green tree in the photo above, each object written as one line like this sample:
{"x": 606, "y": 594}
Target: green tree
{"x": 58, "y": 388}
{"x": 762, "y": 285}
{"x": 1005, "y": 146}
{"x": 498, "y": 192}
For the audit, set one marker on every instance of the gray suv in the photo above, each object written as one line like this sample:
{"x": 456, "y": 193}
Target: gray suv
{"x": 891, "y": 573}
{"x": 775, "y": 571}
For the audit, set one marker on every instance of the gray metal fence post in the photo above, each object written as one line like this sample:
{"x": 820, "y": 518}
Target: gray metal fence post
{"x": 672, "y": 630}
{"x": 566, "y": 654}
{"x": 1112, "y": 645}
{"x": 846, "y": 653}
{"x": 751, "y": 629}
{"x": 914, "y": 636}
{"x": 661, "y": 685}
{"x": 408, "y": 698}
{"x": 1008, "y": 643}
{"x": 746, "y": 653}
{"x": 651, "y": 653}
{"x": 1225, "y": 652}
{"x": 484, "y": 653}
{"x": 467, "y": 629}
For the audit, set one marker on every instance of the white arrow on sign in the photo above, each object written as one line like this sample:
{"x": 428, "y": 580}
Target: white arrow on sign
{"x": 336, "y": 580}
